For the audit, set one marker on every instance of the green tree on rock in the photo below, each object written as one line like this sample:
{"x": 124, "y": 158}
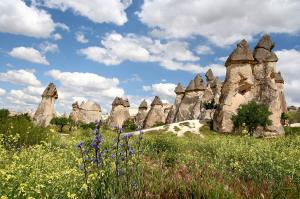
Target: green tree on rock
{"x": 60, "y": 121}
{"x": 251, "y": 116}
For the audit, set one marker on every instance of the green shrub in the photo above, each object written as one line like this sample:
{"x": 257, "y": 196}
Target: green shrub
{"x": 88, "y": 126}
{"x": 252, "y": 115}
{"x": 61, "y": 122}
{"x": 129, "y": 125}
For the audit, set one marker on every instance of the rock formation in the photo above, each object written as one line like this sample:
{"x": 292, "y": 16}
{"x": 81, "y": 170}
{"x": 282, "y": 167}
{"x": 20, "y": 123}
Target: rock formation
{"x": 156, "y": 114}
{"x": 45, "y": 111}
{"x": 87, "y": 112}
{"x": 141, "y": 115}
{"x": 179, "y": 90}
{"x": 251, "y": 76}
{"x": 189, "y": 107}
{"x": 119, "y": 112}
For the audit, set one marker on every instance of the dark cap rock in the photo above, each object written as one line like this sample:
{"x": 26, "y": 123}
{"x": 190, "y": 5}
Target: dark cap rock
{"x": 156, "y": 101}
{"x": 50, "y": 91}
{"x": 209, "y": 75}
{"x": 199, "y": 85}
{"x": 241, "y": 54}
{"x": 179, "y": 89}
{"x": 143, "y": 105}
{"x": 118, "y": 101}
{"x": 263, "y": 50}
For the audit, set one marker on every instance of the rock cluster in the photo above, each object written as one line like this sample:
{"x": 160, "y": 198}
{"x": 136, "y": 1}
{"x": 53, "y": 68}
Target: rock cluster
{"x": 251, "y": 76}
{"x": 119, "y": 112}
{"x": 189, "y": 102}
{"x": 45, "y": 111}
{"x": 86, "y": 112}
{"x": 156, "y": 114}
{"x": 142, "y": 114}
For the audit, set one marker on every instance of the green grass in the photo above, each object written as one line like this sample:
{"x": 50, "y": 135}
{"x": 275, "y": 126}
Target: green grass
{"x": 192, "y": 166}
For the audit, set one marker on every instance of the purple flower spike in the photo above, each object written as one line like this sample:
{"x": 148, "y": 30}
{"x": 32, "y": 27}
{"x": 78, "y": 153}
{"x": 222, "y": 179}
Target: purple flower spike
{"x": 80, "y": 145}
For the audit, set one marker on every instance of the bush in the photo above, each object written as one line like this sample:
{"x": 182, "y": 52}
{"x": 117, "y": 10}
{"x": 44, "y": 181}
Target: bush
{"x": 129, "y": 125}
{"x": 88, "y": 126}
{"x": 61, "y": 122}
{"x": 252, "y": 115}
{"x": 22, "y": 131}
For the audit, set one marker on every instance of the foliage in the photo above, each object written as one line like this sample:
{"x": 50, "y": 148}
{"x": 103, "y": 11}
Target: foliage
{"x": 210, "y": 105}
{"x": 22, "y": 131}
{"x": 252, "y": 115}
{"x": 158, "y": 124}
{"x": 293, "y": 116}
{"x": 61, "y": 122}
{"x": 4, "y": 113}
{"x": 162, "y": 165}
{"x": 129, "y": 125}
{"x": 90, "y": 125}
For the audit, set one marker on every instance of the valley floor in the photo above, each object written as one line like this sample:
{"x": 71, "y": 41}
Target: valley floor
{"x": 192, "y": 165}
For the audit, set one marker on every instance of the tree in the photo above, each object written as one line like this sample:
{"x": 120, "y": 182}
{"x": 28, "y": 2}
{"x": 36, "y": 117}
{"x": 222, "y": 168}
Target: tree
{"x": 60, "y": 121}
{"x": 4, "y": 113}
{"x": 129, "y": 125}
{"x": 210, "y": 106}
{"x": 251, "y": 116}
{"x": 284, "y": 117}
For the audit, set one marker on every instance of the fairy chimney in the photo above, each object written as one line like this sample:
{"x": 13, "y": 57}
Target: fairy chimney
{"x": 156, "y": 114}
{"x": 119, "y": 112}
{"x": 46, "y": 111}
{"x": 141, "y": 115}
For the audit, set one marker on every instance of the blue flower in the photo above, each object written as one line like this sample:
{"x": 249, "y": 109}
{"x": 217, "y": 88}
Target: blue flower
{"x": 80, "y": 145}
{"x": 127, "y": 136}
{"x": 131, "y": 152}
{"x": 113, "y": 156}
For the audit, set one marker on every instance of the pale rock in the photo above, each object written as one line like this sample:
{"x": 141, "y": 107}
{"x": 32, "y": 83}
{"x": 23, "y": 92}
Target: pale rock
{"x": 87, "y": 112}
{"x": 141, "y": 115}
{"x": 45, "y": 111}
{"x": 156, "y": 114}
{"x": 119, "y": 113}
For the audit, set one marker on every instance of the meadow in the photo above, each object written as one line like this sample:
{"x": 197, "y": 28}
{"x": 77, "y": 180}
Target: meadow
{"x": 39, "y": 162}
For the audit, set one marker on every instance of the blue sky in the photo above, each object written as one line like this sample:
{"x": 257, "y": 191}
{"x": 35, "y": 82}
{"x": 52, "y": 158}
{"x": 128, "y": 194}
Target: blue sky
{"x": 99, "y": 49}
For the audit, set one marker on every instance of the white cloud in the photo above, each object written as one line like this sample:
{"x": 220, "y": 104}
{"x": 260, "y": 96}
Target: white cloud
{"x": 20, "y": 19}
{"x": 79, "y": 36}
{"x": 164, "y": 90}
{"x": 98, "y": 11}
{"x": 57, "y": 36}
{"x": 23, "y": 77}
{"x": 288, "y": 64}
{"x": 48, "y": 47}
{"x": 133, "y": 78}
{"x": 204, "y": 50}
{"x": 218, "y": 69}
{"x": 116, "y": 48}
{"x": 2, "y": 92}
{"x": 222, "y": 22}
{"x": 76, "y": 85}
{"x": 29, "y": 54}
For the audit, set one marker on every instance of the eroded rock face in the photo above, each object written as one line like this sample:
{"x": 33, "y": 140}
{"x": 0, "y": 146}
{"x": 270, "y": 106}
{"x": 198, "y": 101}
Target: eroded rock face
{"x": 119, "y": 113}
{"x": 179, "y": 90}
{"x": 142, "y": 114}
{"x": 189, "y": 107}
{"x": 45, "y": 111}
{"x": 156, "y": 114}
{"x": 251, "y": 76}
{"x": 87, "y": 112}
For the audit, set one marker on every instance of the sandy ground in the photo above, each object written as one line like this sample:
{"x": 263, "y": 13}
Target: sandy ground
{"x": 178, "y": 128}
{"x": 295, "y": 125}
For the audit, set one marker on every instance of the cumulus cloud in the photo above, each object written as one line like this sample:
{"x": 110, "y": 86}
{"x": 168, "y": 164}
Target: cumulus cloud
{"x": 288, "y": 64}
{"x": 19, "y": 19}
{"x": 221, "y": 22}
{"x": 28, "y": 54}
{"x": 98, "y": 11}
{"x": 48, "y": 47}
{"x": 116, "y": 48}
{"x": 80, "y": 37}
{"x": 23, "y": 77}
{"x": 2, "y": 92}
{"x": 76, "y": 85}
{"x": 57, "y": 36}
{"x": 164, "y": 90}
{"x": 204, "y": 50}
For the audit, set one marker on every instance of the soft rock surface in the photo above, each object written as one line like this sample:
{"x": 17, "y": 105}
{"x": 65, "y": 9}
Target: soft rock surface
{"x": 142, "y": 114}
{"x": 87, "y": 112}
{"x": 45, "y": 111}
{"x": 156, "y": 114}
{"x": 251, "y": 77}
{"x": 119, "y": 112}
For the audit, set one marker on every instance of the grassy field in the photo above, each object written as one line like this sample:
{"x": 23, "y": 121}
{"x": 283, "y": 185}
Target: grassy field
{"x": 153, "y": 165}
